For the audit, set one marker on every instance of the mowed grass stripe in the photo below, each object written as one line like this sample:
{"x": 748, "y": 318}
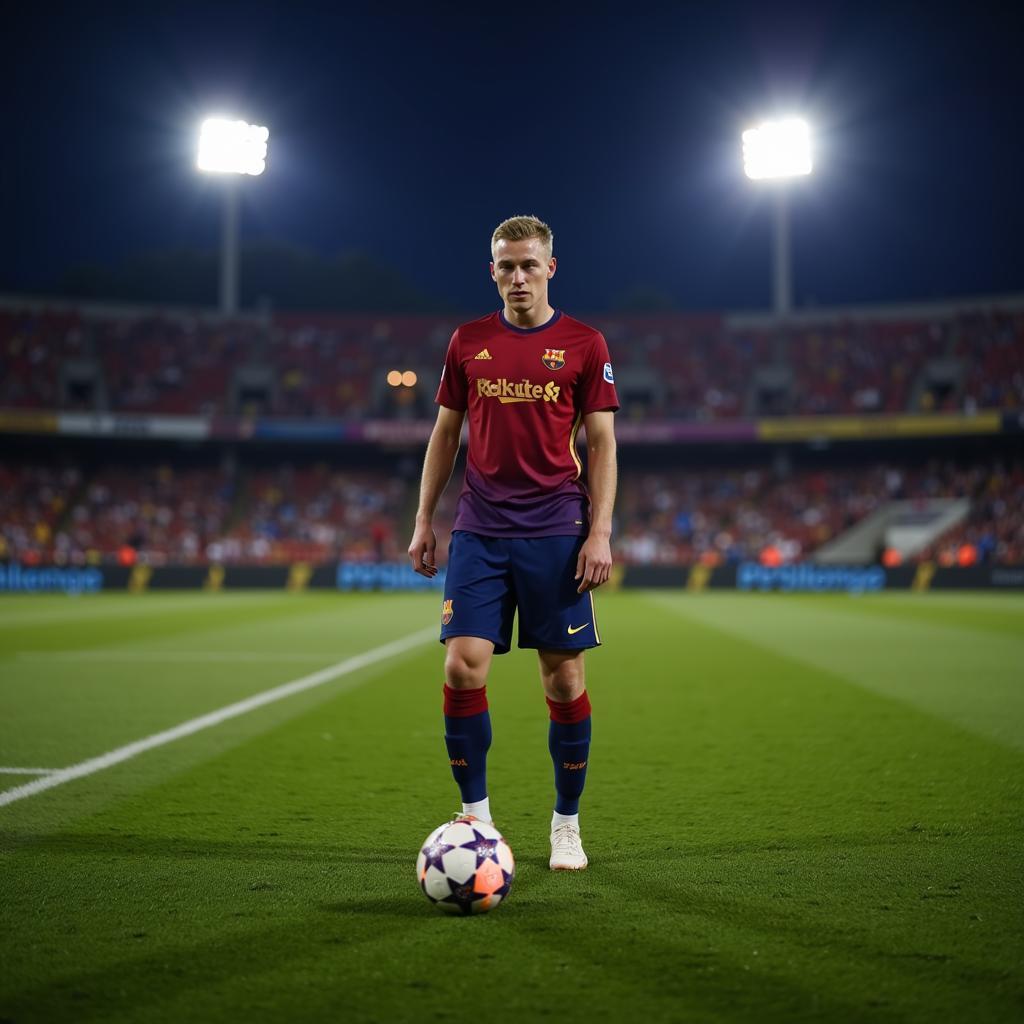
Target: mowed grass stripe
{"x": 48, "y": 610}
{"x": 965, "y": 610}
{"x": 971, "y": 677}
{"x": 768, "y": 842}
{"x": 213, "y": 718}
{"x": 100, "y": 620}
{"x": 63, "y": 710}
{"x": 230, "y": 657}
{"x": 863, "y": 804}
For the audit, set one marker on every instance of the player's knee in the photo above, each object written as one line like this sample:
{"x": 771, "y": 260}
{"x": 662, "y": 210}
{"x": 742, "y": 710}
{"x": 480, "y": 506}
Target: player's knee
{"x": 565, "y": 683}
{"x": 463, "y": 672}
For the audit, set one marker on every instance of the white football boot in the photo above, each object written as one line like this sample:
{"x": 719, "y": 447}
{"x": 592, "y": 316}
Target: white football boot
{"x": 567, "y": 852}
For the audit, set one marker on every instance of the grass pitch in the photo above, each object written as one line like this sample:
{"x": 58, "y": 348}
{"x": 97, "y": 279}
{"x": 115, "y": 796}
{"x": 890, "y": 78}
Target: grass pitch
{"x": 797, "y": 809}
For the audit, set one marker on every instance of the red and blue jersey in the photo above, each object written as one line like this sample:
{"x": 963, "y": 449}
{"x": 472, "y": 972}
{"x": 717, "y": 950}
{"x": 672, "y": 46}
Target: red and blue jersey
{"x": 525, "y": 392}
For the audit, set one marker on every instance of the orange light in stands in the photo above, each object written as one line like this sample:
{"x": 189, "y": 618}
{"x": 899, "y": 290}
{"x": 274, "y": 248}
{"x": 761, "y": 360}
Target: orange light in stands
{"x": 409, "y": 379}
{"x": 967, "y": 555}
{"x": 395, "y": 378}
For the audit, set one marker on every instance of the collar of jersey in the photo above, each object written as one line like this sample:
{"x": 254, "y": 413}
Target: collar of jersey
{"x": 555, "y": 317}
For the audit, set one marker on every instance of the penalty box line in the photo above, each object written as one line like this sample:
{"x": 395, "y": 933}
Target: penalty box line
{"x": 207, "y": 721}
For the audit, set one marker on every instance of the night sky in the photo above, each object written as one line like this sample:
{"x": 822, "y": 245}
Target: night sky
{"x": 408, "y": 136}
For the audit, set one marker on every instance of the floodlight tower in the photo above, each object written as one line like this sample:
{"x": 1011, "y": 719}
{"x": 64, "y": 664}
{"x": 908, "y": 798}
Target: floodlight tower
{"x": 779, "y": 151}
{"x": 231, "y": 148}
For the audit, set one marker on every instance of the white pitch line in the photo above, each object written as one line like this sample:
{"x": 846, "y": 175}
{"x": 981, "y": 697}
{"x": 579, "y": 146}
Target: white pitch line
{"x": 28, "y": 771}
{"x": 194, "y": 725}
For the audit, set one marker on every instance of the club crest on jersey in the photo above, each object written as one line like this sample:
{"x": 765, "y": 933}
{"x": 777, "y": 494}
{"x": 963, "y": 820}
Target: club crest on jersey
{"x": 446, "y": 613}
{"x": 553, "y": 358}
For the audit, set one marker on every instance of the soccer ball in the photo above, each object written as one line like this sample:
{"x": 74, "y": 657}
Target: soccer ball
{"x": 465, "y": 866}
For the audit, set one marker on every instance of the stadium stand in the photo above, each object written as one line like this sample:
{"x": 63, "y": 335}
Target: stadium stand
{"x": 234, "y": 509}
{"x": 34, "y": 501}
{"x": 993, "y": 531}
{"x": 716, "y": 516}
{"x": 160, "y": 513}
{"x": 317, "y": 514}
{"x": 696, "y": 368}
{"x": 314, "y": 514}
{"x": 189, "y": 516}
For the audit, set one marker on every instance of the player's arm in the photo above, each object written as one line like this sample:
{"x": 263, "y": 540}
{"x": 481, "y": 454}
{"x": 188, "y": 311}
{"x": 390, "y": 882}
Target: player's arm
{"x": 438, "y": 464}
{"x": 594, "y": 565}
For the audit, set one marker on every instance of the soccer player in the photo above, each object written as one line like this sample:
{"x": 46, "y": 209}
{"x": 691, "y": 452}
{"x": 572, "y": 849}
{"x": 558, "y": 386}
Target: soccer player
{"x": 527, "y": 536}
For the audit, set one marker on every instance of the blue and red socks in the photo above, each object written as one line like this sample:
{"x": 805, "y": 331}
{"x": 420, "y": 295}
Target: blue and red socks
{"x": 569, "y": 743}
{"x": 467, "y": 735}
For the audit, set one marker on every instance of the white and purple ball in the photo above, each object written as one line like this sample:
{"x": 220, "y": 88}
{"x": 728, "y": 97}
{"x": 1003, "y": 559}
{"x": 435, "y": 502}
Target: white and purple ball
{"x": 465, "y": 867}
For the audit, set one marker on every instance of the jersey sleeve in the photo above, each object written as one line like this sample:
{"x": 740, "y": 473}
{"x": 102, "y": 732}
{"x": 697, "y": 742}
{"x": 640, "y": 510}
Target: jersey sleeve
{"x": 597, "y": 386}
{"x": 452, "y": 391}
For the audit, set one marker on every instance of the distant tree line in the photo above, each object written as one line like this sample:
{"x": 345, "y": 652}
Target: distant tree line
{"x": 271, "y": 274}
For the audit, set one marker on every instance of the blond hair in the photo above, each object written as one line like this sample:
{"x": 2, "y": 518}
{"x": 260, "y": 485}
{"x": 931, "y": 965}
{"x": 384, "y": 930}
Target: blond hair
{"x": 517, "y": 229}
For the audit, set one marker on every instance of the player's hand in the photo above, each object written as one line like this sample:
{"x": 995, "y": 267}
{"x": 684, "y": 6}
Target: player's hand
{"x": 594, "y": 565}
{"x": 423, "y": 550}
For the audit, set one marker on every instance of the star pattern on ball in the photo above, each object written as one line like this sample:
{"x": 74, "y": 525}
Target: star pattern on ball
{"x": 502, "y": 890}
{"x": 484, "y": 848}
{"x": 434, "y": 852}
{"x": 463, "y": 895}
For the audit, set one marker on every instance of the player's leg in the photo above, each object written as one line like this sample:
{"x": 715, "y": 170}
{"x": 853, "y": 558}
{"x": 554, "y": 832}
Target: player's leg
{"x": 562, "y": 676}
{"x": 467, "y": 720}
{"x": 476, "y": 623}
{"x": 560, "y": 623}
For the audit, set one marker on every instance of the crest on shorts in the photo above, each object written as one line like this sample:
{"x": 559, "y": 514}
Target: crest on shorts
{"x": 553, "y": 358}
{"x": 446, "y": 613}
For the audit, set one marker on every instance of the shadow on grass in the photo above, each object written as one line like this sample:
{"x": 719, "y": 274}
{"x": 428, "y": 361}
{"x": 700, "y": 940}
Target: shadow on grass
{"x": 156, "y": 972}
{"x": 656, "y": 943}
{"x": 360, "y": 959}
{"x": 914, "y": 944}
{"x": 256, "y": 848}
{"x": 280, "y": 846}
{"x": 356, "y": 849}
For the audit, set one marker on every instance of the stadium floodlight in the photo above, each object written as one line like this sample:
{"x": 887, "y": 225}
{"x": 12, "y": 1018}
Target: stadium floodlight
{"x": 779, "y": 151}
{"x": 231, "y": 147}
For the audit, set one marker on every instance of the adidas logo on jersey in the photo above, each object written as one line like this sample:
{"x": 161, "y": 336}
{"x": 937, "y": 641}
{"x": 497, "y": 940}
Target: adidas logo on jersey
{"x": 483, "y": 354}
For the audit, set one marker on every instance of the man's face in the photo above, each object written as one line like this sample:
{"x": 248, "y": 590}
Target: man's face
{"x": 521, "y": 271}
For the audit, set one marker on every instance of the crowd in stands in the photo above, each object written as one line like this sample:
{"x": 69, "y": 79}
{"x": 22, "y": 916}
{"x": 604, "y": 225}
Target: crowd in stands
{"x": 32, "y": 348}
{"x": 314, "y": 515}
{"x": 188, "y": 516}
{"x": 335, "y": 366}
{"x": 319, "y": 514}
{"x": 34, "y": 503}
{"x": 993, "y": 354}
{"x": 683, "y": 517}
{"x": 171, "y": 515}
{"x": 718, "y": 517}
{"x": 993, "y": 531}
{"x": 857, "y": 368}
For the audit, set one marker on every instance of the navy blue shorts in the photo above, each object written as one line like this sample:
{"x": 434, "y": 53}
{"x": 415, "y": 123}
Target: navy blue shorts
{"x": 490, "y": 577}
